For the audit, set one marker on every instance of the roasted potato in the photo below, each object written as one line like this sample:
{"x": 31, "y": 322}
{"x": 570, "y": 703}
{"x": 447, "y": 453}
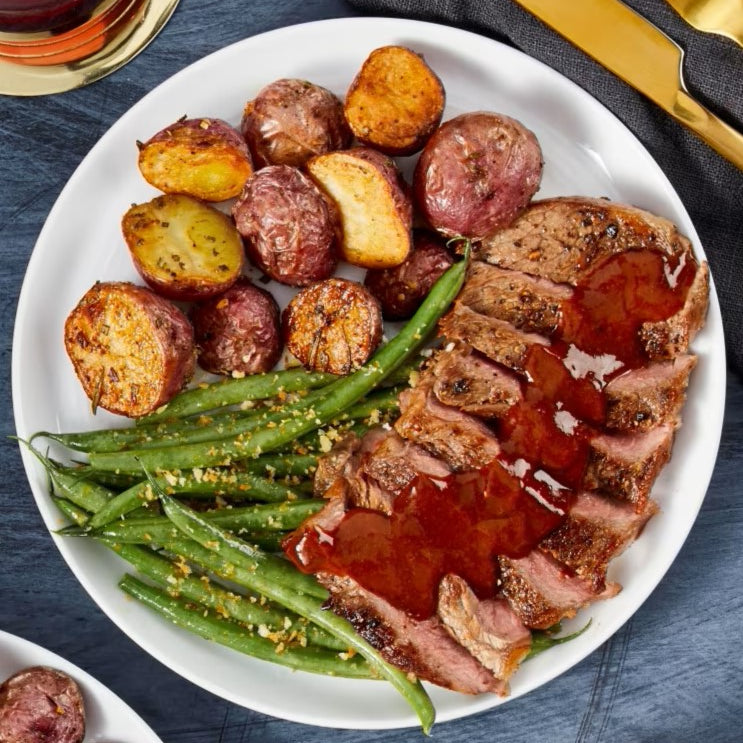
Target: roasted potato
{"x": 374, "y": 204}
{"x": 291, "y": 227}
{"x": 131, "y": 349}
{"x": 401, "y": 289}
{"x": 395, "y": 102}
{"x": 238, "y": 332}
{"x": 476, "y": 173}
{"x": 183, "y": 248}
{"x": 291, "y": 120}
{"x": 205, "y": 158}
{"x": 333, "y": 326}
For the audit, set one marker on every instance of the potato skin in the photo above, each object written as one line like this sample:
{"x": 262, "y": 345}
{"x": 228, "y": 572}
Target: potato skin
{"x": 476, "y": 173}
{"x": 41, "y": 704}
{"x": 291, "y": 120}
{"x": 182, "y": 247}
{"x": 239, "y": 331}
{"x": 395, "y": 102}
{"x": 131, "y": 349}
{"x": 333, "y": 326}
{"x": 374, "y": 203}
{"x": 289, "y": 225}
{"x": 401, "y": 289}
{"x": 205, "y": 158}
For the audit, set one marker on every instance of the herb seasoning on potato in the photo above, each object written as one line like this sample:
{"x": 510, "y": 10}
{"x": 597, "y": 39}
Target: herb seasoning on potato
{"x": 205, "y": 158}
{"x": 183, "y": 248}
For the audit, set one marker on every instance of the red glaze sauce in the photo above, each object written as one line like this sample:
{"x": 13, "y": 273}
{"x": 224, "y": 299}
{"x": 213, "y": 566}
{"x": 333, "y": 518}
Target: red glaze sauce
{"x": 454, "y": 525}
{"x": 460, "y": 524}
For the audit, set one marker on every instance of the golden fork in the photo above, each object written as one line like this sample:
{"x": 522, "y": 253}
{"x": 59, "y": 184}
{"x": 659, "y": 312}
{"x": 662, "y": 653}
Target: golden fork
{"x": 723, "y": 17}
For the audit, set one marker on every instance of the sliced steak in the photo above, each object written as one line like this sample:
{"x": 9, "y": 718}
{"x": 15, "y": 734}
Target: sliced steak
{"x": 469, "y": 381}
{"x": 490, "y": 630}
{"x": 461, "y": 440}
{"x": 596, "y": 530}
{"x": 530, "y": 303}
{"x": 625, "y": 466}
{"x": 423, "y": 648}
{"x": 560, "y": 238}
{"x": 542, "y": 591}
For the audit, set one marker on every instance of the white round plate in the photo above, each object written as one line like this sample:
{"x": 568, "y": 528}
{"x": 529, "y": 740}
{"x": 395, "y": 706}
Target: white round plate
{"x": 107, "y": 718}
{"x": 587, "y": 151}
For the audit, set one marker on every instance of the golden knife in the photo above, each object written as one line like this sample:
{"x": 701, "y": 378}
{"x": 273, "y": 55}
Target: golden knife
{"x": 640, "y": 54}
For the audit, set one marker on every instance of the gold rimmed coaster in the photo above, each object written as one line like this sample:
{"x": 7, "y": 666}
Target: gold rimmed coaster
{"x": 39, "y": 64}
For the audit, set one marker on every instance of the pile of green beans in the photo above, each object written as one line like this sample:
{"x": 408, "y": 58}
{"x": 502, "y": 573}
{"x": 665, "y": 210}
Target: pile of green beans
{"x": 188, "y": 494}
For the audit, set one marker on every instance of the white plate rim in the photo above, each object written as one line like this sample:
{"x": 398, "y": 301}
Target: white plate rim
{"x": 709, "y": 376}
{"x": 108, "y": 716}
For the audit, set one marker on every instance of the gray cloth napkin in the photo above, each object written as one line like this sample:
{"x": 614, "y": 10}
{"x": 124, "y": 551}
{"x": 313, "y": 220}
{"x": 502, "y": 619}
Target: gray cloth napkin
{"x": 710, "y": 187}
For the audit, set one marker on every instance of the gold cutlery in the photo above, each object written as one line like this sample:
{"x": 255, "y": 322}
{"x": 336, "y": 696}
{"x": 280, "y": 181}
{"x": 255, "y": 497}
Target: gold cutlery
{"x": 640, "y": 54}
{"x": 724, "y": 17}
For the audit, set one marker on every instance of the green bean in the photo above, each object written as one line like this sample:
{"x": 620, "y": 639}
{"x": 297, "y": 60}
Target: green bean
{"x": 542, "y": 640}
{"x": 159, "y": 529}
{"x": 238, "y": 390}
{"x": 287, "y": 590}
{"x": 177, "y": 579}
{"x": 302, "y": 417}
{"x": 211, "y": 481}
{"x": 74, "y": 513}
{"x": 313, "y": 659}
{"x": 282, "y": 465}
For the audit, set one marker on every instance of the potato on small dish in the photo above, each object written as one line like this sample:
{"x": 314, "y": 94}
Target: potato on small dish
{"x": 183, "y": 248}
{"x": 206, "y": 158}
{"x": 395, "y": 102}
{"x": 374, "y": 204}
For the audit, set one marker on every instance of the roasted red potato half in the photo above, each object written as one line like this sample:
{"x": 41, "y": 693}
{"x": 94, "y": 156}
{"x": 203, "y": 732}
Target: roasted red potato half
{"x": 395, "y": 102}
{"x": 41, "y": 704}
{"x": 290, "y": 226}
{"x": 131, "y": 349}
{"x": 183, "y": 248}
{"x": 238, "y": 332}
{"x": 401, "y": 289}
{"x": 205, "y": 158}
{"x": 476, "y": 174}
{"x": 333, "y": 326}
{"x": 291, "y": 120}
{"x": 374, "y": 204}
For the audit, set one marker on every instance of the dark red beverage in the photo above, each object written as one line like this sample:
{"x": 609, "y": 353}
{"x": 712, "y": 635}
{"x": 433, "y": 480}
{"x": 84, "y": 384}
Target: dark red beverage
{"x": 44, "y": 15}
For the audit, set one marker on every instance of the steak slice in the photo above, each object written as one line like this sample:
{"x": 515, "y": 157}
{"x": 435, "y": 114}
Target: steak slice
{"x": 461, "y": 440}
{"x": 637, "y": 400}
{"x": 471, "y": 382}
{"x": 625, "y": 466}
{"x": 535, "y": 304}
{"x": 490, "y": 630}
{"x": 542, "y": 591}
{"x": 423, "y": 648}
{"x": 560, "y": 238}
{"x": 596, "y": 530}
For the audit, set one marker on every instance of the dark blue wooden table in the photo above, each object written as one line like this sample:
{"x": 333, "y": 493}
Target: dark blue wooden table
{"x": 671, "y": 674}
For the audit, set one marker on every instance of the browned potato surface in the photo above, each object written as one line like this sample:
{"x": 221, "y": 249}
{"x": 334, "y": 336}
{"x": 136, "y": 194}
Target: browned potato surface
{"x": 239, "y": 331}
{"x": 333, "y": 326}
{"x": 373, "y": 202}
{"x": 205, "y": 158}
{"x": 290, "y": 226}
{"x": 131, "y": 349}
{"x": 401, "y": 289}
{"x": 476, "y": 173}
{"x": 183, "y": 248}
{"x": 395, "y": 102}
{"x": 291, "y": 120}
